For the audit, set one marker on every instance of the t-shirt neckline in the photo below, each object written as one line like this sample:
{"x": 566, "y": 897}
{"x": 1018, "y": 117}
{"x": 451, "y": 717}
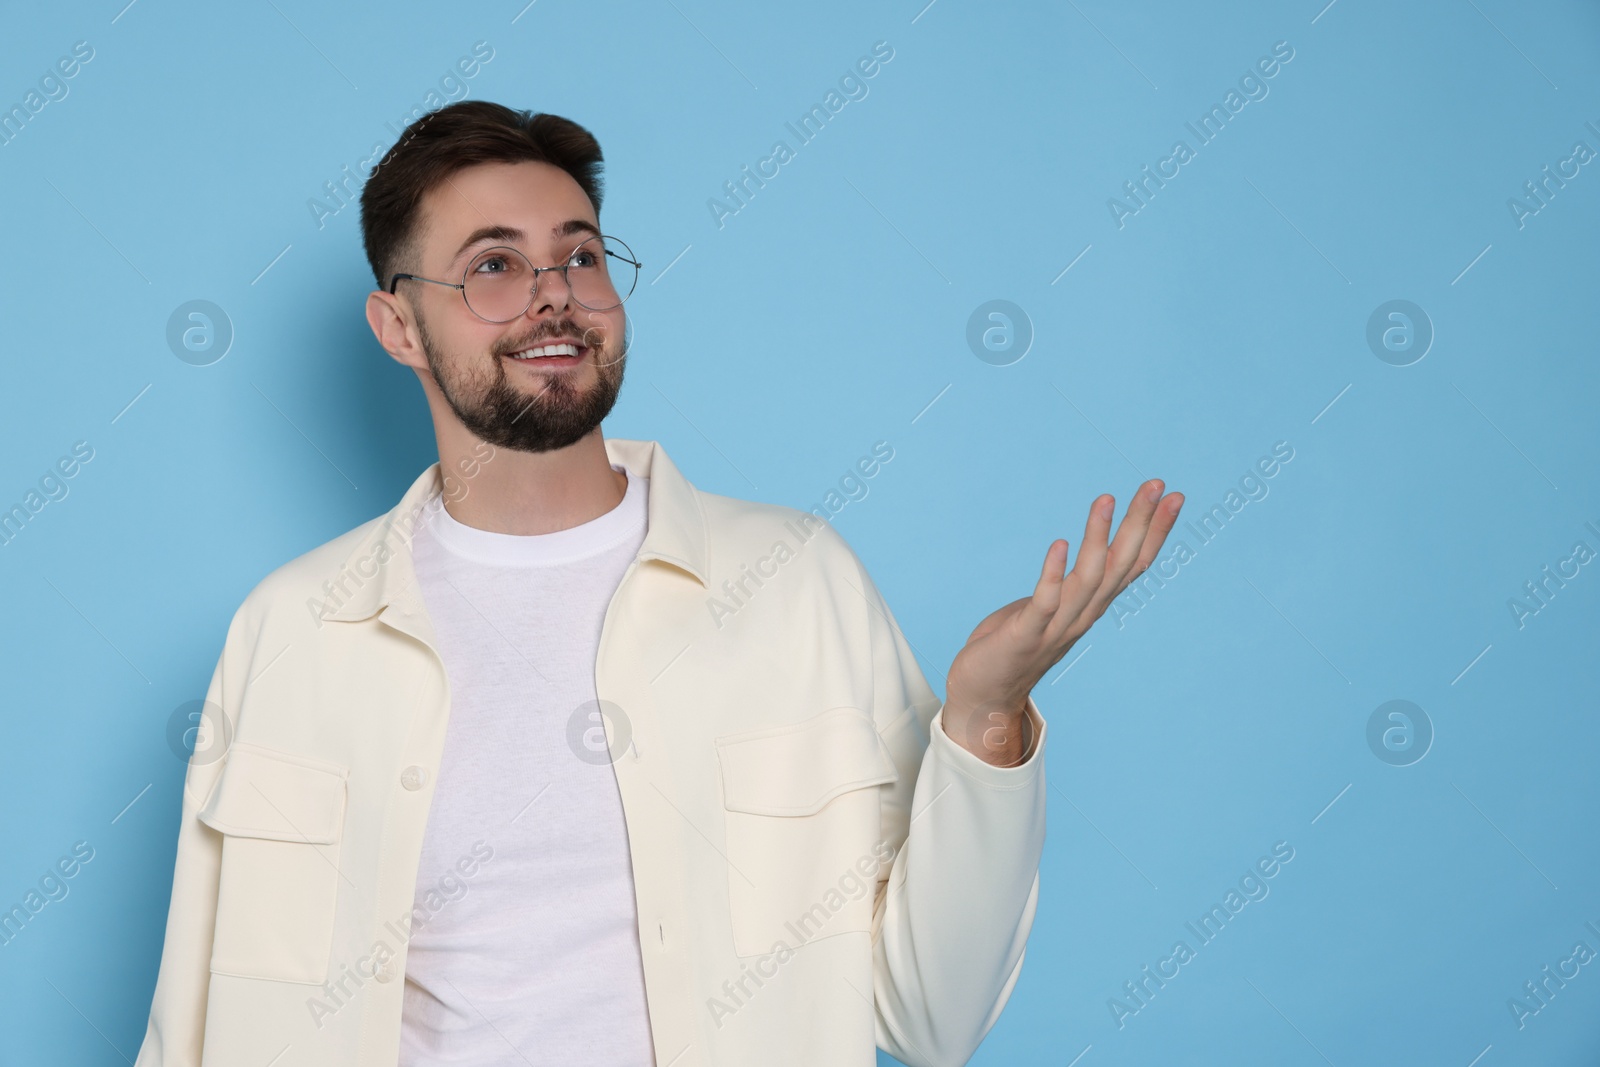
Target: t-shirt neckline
{"x": 548, "y": 549}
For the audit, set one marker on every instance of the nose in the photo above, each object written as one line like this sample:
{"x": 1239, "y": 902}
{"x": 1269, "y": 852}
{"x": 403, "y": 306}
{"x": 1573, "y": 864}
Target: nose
{"x": 551, "y": 292}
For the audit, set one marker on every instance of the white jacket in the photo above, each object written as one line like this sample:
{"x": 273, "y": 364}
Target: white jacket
{"x": 818, "y": 867}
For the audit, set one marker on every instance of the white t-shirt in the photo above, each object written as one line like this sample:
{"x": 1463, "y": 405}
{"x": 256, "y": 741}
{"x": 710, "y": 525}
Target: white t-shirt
{"x": 530, "y": 940}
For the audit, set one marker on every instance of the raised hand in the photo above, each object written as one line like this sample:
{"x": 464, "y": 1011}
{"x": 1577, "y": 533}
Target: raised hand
{"x": 1011, "y": 650}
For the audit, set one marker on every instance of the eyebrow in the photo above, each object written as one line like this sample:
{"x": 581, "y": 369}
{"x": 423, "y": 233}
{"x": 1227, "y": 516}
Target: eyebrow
{"x": 510, "y": 234}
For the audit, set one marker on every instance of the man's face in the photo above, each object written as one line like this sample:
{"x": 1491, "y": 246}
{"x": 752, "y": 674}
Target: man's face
{"x": 530, "y": 405}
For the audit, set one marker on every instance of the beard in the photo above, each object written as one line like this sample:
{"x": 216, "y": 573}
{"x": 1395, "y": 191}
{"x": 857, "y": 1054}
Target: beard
{"x": 556, "y": 414}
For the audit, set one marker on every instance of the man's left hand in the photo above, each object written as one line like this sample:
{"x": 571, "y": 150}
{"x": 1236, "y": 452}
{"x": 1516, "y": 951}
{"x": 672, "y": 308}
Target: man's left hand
{"x": 1010, "y": 651}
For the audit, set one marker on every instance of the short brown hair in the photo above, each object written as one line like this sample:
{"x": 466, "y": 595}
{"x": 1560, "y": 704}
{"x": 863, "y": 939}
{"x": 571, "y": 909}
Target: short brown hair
{"x": 444, "y": 141}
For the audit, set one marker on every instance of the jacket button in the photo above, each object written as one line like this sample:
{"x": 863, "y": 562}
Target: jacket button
{"x": 386, "y": 973}
{"x": 413, "y": 777}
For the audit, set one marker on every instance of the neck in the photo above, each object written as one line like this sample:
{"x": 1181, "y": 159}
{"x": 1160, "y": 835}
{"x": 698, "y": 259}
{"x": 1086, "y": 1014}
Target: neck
{"x": 505, "y": 491}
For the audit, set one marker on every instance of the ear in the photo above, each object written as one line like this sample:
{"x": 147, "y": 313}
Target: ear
{"x": 390, "y": 319}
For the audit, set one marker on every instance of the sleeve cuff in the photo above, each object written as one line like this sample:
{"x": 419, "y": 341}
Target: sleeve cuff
{"x": 975, "y": 767}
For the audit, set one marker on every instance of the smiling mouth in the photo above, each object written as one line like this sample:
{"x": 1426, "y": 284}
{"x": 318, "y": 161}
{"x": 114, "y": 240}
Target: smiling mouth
{"x": 558, "y": 352}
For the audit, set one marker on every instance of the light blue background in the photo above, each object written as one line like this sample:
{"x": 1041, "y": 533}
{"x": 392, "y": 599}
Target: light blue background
{"x": 1228, "y": 314}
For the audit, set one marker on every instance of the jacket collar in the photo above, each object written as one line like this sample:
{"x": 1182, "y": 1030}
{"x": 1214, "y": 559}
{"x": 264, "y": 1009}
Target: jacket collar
{"x": 378, "y": 575}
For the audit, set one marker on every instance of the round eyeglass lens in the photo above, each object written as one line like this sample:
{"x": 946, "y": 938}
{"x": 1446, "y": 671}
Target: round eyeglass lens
{"x": 499, "y": 284}
{"x": 611, "y": 265}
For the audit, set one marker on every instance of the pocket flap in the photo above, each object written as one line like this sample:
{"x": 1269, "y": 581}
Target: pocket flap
{"x": 796, "y": 769}
{"x": 280, "y": 796}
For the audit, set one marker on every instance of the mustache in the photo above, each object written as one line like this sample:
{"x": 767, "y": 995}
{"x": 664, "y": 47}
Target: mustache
{"x": 596, "y": 336}
{"x": 548, "y": 331}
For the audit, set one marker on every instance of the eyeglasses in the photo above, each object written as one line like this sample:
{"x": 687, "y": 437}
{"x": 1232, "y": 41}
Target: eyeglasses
{"x": 499, "y": 284}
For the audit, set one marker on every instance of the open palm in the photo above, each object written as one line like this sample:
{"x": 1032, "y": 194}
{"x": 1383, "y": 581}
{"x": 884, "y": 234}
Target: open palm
{"x": 1010, "y": 650}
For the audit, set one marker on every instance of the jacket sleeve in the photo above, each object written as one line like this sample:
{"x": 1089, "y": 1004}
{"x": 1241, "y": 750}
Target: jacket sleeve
{"x": 176, "y": 1029}
{"x": 951, "y": 919}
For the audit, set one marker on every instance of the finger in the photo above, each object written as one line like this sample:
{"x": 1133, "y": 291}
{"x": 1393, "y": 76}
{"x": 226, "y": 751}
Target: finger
{"x": 1161, "y": 524}
{"x": 1080, "y": 585}
{"x": 1130, "y": 538}
{"x": 1041, "y": 607}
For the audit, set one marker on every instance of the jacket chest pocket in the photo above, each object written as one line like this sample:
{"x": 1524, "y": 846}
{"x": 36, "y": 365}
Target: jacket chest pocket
{"x": 801, "y": 810}
{"x": 281, "y": 816}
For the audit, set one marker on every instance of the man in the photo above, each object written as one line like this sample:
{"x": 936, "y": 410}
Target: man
{"x": 492, "y": 779}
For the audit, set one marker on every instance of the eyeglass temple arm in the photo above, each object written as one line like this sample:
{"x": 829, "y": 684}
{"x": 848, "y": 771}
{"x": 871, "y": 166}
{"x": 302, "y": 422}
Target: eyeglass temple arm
{"x": 418, "y": 278}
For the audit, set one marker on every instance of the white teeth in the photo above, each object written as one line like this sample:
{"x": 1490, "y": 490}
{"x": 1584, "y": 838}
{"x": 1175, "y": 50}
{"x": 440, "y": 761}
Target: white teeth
{"x": 547, "y": 350}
